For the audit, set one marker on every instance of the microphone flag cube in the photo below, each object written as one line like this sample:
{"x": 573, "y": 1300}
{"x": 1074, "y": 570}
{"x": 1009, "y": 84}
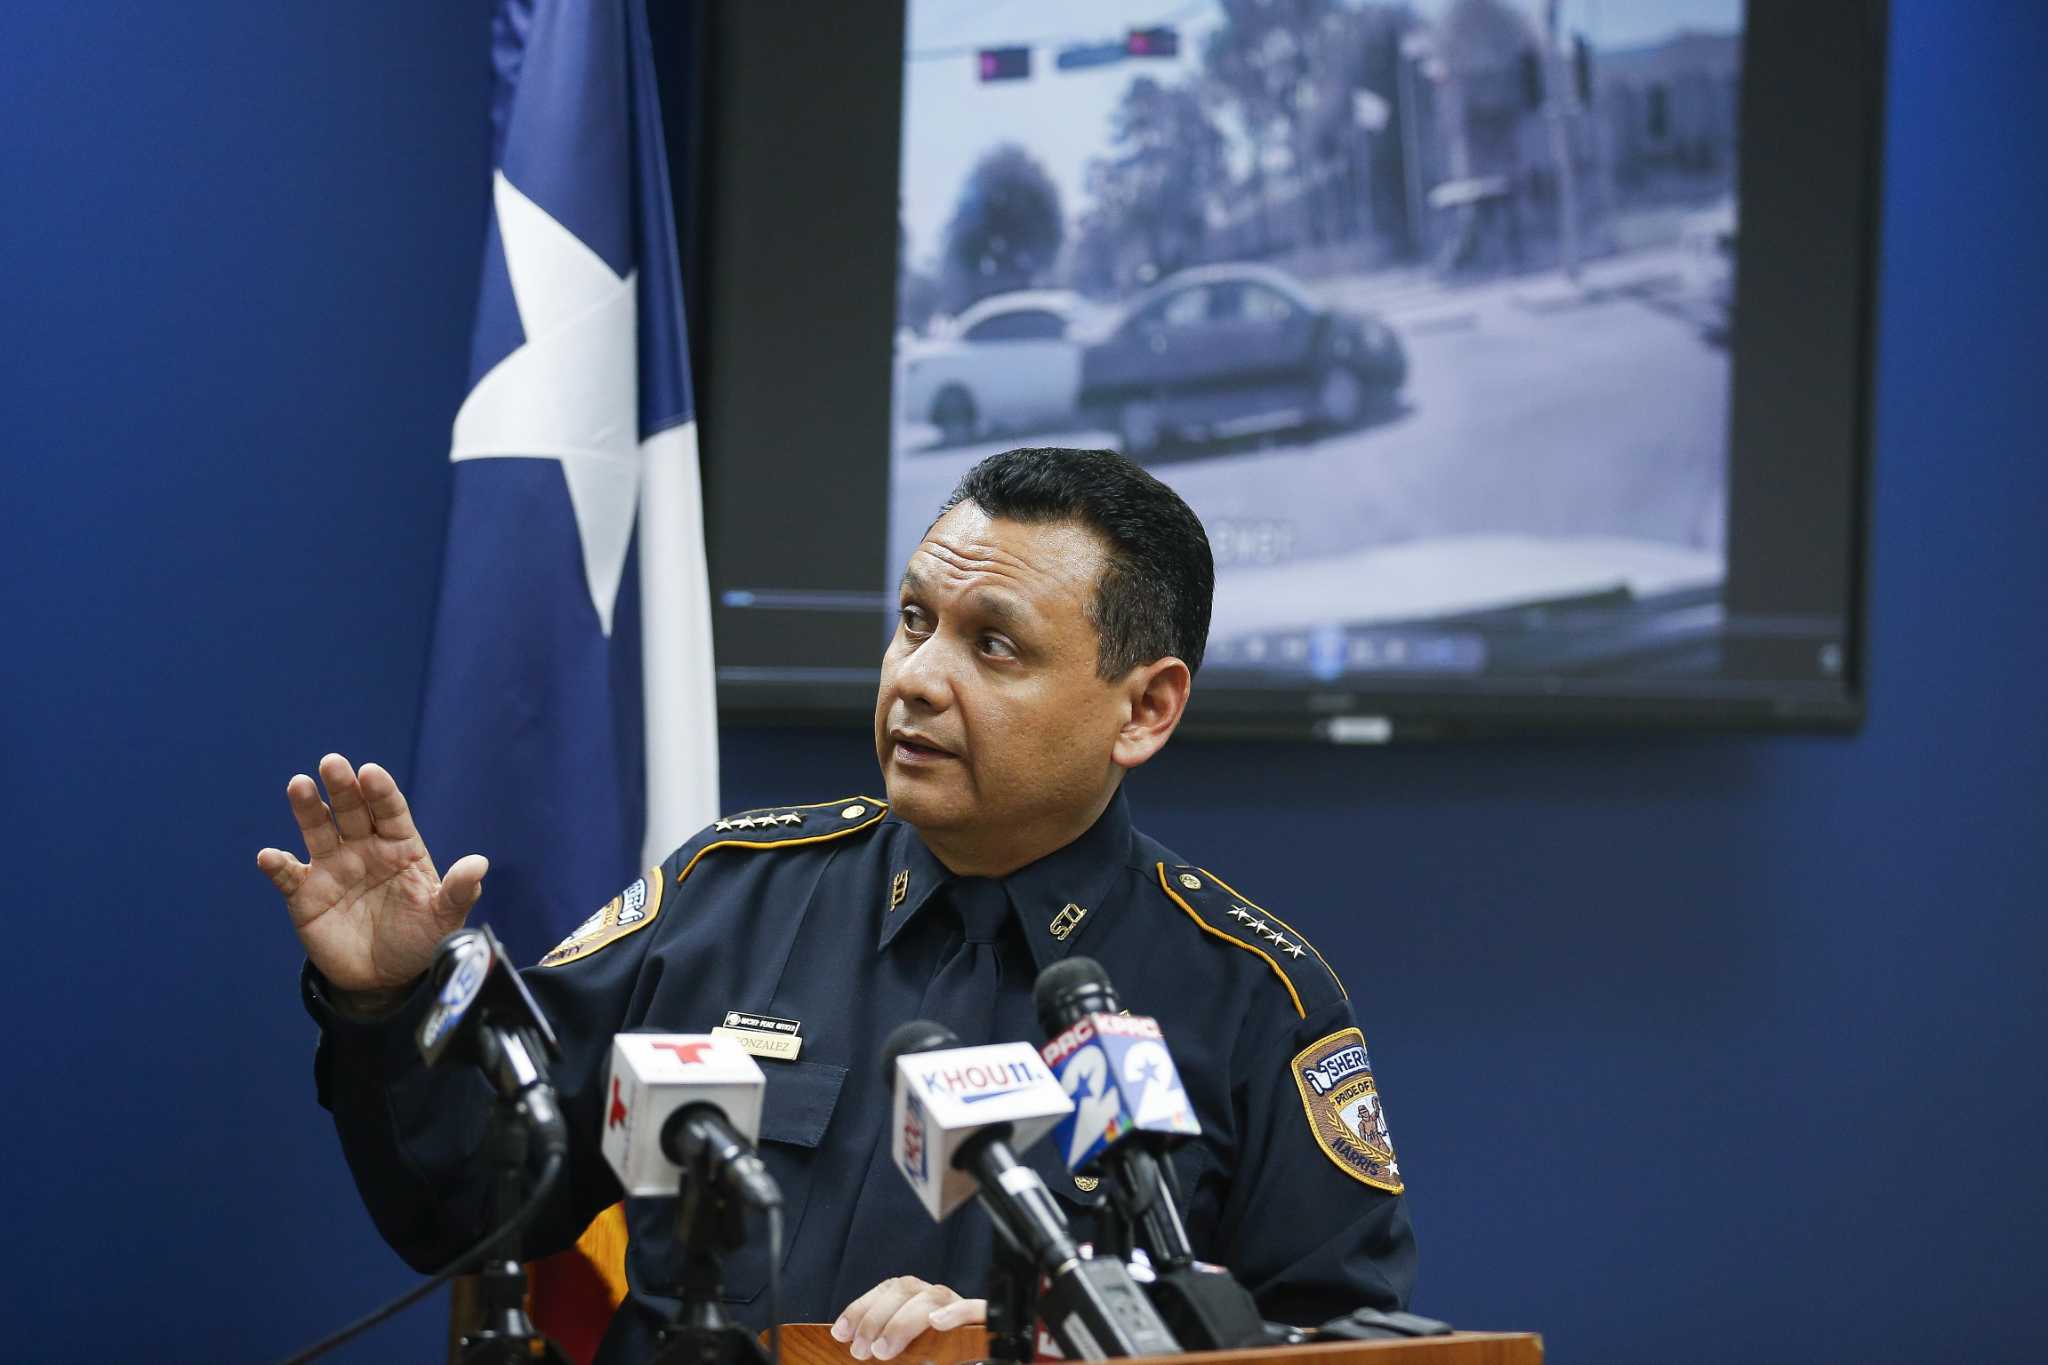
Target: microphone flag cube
{"x": 1121, "y": 1078}
{"x": 944, "y": 1098}
{"x": 655, "y": 1074}
{"x": 467, "y": 959}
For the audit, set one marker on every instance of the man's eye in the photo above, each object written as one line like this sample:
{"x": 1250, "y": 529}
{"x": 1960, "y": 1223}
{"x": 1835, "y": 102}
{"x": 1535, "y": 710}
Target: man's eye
{"x": 913, "y": 620}
{"x": 996, "y": 647}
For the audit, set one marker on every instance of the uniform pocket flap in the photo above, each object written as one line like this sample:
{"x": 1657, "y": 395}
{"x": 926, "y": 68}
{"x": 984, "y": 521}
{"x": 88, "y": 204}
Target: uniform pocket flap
{"x": 796, "y": 1108}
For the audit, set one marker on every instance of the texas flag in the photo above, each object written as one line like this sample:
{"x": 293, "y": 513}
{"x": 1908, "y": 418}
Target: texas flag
{"x": 568, "y": 726}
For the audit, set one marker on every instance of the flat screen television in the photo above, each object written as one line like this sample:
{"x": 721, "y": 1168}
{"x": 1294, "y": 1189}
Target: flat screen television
{"x": 1516, "y": 354}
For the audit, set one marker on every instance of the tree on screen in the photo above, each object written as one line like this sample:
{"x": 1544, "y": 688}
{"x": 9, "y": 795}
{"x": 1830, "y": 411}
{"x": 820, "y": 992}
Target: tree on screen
{"x": 1260, "y": 58}
{"x": 1290, "y": 71}
{"x": 1006, "y": 228}
{"x": 1149, "y": 201}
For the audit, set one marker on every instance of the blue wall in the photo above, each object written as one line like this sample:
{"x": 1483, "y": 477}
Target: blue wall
{"x": 1696, "y": 1049}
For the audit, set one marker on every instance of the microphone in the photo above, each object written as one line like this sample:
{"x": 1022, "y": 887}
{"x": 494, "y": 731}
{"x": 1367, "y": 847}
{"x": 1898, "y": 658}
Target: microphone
{"x": 956, "y": 1113}
{"x": 685, "y": 1103}
{"x": 1129, "y": 1104}
{"x": 947, "y": 1097}
{"x": 1130, "y": 1109}
{"x": 483, "y": 1013}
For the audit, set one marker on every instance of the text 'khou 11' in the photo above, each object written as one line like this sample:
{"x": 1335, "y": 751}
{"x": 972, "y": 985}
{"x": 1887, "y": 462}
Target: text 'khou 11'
{"x": 959, "y": 1117}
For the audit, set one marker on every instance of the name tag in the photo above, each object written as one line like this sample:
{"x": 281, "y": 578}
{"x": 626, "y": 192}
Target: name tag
{"x": 762, "y": 1035}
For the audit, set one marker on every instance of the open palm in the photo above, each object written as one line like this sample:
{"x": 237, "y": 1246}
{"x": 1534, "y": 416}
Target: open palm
{"x": 369, "y": 906}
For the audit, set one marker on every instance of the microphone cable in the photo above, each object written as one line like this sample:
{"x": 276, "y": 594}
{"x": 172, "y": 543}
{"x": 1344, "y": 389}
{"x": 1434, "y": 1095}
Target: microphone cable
{"x": 774, "y": 1216}
{"x": 551, "y": 1170}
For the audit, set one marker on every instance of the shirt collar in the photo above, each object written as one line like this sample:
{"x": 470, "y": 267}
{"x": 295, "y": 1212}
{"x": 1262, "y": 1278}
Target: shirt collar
{"x": 1054, "y": 897}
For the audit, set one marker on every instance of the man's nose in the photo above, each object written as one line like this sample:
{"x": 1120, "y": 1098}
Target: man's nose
{"x": 926, "y": 676}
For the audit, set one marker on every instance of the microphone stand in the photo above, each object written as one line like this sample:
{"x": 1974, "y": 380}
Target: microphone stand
{"x": 1012, "y": 1305}
{"x": 709, "y": 1223}
{"x": 507, "y": 1335}
{"x": 1115, "y": 1234}
{"x": 1204, "y": 1307}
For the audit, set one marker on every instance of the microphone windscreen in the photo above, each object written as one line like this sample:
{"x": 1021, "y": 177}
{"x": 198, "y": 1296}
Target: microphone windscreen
{"x": 919, "y": 1035}
{"x": 462, "y": 973}
{"x": 1071, "y": 988}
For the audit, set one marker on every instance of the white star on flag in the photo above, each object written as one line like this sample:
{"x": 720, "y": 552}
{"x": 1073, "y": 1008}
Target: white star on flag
{"x": 571, "y": 391}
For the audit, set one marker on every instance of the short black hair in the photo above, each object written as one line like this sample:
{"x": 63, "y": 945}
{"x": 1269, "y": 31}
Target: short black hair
{"x": 1158, "y": 578}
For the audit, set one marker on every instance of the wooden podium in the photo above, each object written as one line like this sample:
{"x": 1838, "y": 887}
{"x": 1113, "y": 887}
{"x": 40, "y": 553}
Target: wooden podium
{"x": 811, "y": 1343}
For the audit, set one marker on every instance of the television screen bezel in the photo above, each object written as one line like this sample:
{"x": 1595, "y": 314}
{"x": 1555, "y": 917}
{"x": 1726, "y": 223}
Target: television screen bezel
{"x": 773, "y": 104}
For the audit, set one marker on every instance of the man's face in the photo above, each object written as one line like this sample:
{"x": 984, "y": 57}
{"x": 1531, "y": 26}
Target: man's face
{"x": 991, "y": 725}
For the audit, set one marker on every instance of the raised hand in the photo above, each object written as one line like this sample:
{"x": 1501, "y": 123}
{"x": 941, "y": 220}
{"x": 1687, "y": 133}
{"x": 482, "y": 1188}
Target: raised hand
{"x": 369, "y": 906}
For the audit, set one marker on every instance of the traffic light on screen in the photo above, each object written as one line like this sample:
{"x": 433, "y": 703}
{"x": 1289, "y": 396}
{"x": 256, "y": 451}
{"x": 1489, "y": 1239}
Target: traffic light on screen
{"x": 1004, "y": 63}
{"x": 1159, "y": 41}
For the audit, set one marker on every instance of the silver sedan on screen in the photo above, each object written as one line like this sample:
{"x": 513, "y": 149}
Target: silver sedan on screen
{"x": 1230, "y": 350}
{"x": 1010, "y": 363}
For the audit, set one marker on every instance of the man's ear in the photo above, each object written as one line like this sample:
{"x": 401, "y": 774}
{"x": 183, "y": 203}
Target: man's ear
{"x": 1157, "y": 694}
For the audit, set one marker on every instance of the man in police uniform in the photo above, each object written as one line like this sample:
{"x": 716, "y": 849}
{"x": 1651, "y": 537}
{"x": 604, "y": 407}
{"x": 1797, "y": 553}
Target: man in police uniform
{"x": 1051, "y": 623}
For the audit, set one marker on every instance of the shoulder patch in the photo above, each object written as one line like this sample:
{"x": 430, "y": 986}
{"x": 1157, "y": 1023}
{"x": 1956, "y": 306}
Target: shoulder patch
{"x": 1334, "y": 1075}
{"x": 626, "y": 913}
{"x": 1217, "y": 908}
{"x": 783, "y": 827}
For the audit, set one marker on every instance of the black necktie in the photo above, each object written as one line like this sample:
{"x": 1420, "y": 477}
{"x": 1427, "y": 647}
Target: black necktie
{"x": 962, "y": 994}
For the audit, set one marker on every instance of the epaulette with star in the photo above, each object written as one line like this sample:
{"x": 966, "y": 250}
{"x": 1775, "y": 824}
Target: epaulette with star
{"x": 1219, "y": 909}
{"x": 769, "y": 827}
{"x": 775, "y": 826}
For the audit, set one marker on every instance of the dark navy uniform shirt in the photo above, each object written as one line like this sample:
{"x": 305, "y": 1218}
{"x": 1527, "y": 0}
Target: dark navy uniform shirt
{"x": 827, "y": 915}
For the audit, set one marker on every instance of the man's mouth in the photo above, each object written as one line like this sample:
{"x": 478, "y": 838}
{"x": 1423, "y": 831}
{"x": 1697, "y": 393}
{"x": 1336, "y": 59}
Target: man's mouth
{"x": 911, "y": 747}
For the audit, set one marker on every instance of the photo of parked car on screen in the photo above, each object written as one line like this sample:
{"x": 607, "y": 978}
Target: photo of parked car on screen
{"x": 1229, "y": 350}
{"x": 1009, "y": 363}
{"x": 1424, "y": 307}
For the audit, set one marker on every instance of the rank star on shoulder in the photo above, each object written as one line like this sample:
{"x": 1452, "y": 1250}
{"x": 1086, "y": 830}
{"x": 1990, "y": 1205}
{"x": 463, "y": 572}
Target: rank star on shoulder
{"x": 1239, "y": 913}
{"x": 769, "y": 821}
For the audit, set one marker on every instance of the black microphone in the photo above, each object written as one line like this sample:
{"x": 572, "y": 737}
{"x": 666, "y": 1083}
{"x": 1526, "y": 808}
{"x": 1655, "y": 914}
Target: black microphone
{"x": 483, "y": 1014}
{"x": 1131, "y": 1110}
{"x": 1118, "y": 1143}
{"x": 685, "y": 1106}
{"x": 919, "y": 1035}
{"x": 1092, "y": 1306}
{"x": 697, "y": 1138}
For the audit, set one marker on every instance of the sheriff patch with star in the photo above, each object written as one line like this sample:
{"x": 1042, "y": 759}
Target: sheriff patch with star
{"x": 630, "y": 910}
{"x": 1343, "y": 1107}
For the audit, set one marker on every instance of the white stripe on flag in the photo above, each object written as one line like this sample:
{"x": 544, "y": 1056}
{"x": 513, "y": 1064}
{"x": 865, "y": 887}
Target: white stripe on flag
{"x": 679, "y": 689}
